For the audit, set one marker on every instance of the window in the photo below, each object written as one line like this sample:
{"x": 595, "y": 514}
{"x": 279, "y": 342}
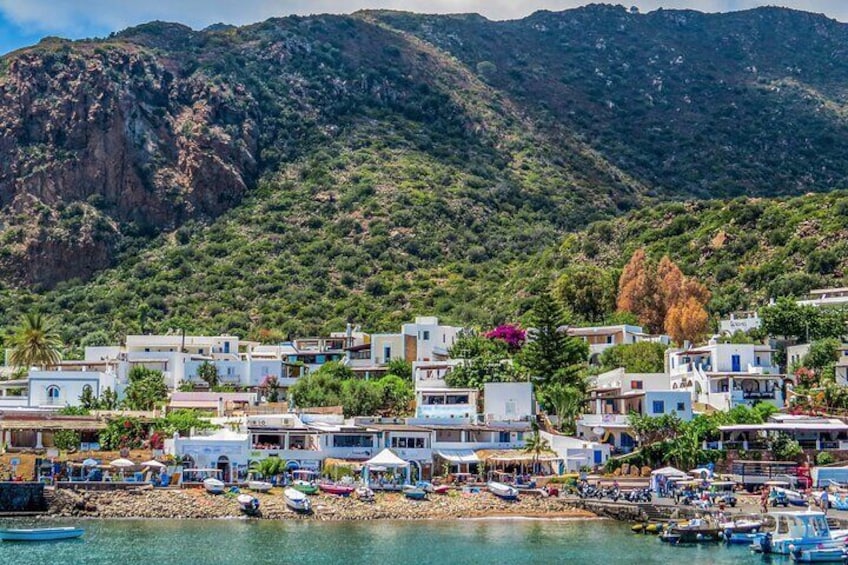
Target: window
{"x": 353, "y": 441}
{"x": 503, "y": 437}
{"x": 610, "y": 339}
{"x": 681, "y": 407}
{"x": 87, "y": 389}
{"x": 52, "y": 393}
{"x": 636, "y": 385}
{"x": 659, "y": 407}
{"x": 426, "y": 335}
{"x": 387, "y": 353}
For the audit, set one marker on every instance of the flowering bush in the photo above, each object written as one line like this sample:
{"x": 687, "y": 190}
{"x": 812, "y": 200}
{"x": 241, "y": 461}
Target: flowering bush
{"x": 806, "y": 377}
{"x": 123, "y": 432}
{"x": 512, "y": 335}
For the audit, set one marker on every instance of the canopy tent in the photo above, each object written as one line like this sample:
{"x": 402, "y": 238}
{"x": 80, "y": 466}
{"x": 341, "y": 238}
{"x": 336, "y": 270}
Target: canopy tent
{"x": 382, "y": 462}
{"x": 669, "y": 472}
{"x": 122, "y": 463}
{"x": 153, "y": 463}
{"x": 520, "y": 461}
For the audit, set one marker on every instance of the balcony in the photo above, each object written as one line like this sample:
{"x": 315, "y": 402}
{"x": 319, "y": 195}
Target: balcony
{"x": 446, "y": 411}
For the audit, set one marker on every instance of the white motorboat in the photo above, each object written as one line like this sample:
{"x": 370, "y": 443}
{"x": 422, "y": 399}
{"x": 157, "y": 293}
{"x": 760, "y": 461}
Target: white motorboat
{"x": 248, "y": 504}
{"x": 213, "y": 486}
{"x": 297, "y": 500}
{"x": 365, "y": 494}
{"x": 503, "y": 491}
{"x": 259, "y": 486}
{"x": 798, "y": 531}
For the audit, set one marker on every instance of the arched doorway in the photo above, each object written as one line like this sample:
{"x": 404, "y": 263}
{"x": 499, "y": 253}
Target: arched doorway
{"x": 224, "y": 466}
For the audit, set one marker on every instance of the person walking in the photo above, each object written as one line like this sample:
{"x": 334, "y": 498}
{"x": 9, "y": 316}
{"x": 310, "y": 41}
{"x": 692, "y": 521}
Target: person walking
{"x": 764, "y": 498}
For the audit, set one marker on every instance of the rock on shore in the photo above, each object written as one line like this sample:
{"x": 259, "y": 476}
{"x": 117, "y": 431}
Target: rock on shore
{"x": 198, "y": 504}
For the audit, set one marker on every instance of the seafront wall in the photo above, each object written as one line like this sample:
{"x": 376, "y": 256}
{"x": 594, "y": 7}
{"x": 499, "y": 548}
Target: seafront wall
{"x": 22, "y": 497}
{"x": 198, "y": 504}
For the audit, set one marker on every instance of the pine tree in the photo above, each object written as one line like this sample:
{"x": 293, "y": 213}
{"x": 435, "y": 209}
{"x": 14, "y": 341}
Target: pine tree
{"x": 551, "y": 356}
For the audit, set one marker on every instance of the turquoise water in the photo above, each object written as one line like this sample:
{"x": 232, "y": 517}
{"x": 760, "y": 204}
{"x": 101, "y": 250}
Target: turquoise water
{"x": 163, "y": 542}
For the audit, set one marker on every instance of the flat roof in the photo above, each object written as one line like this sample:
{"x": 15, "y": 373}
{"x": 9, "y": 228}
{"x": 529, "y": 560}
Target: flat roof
{"x": 787, "y": 426}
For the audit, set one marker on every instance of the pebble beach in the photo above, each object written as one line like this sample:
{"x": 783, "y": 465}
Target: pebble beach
{"x": 198, "y": 504}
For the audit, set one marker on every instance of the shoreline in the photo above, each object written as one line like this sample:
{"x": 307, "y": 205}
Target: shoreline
{"x": 196, "y": 504}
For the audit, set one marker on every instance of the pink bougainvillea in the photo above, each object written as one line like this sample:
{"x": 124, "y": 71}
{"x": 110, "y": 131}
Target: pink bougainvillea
{"x": 511, "y": 334}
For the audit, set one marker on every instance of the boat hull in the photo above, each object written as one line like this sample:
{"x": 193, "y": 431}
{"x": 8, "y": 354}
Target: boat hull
{"x": 259, "y": 486}
{"x": 305, "y": 487}
{"x": 502, "y": 491}
{"x": 213, "y": 486}
{"x": 337, "y": 490}
{"x": 296, "y": 500}
{"x": 415, "y": 493}
{"x": 41, "y": 534}
{"x": 829, "y": 555}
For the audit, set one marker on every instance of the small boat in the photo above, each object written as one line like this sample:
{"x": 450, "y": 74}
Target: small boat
{"x": 41, "y": 534}
{"x": 414, "y": 493}
{"x": 503, "y": 491}
{"x": 339, "y": 490}
{"x": 248, "y": 504}
{"x": 441, "y": 489}
{"x": 213, "y": 486}
{"x": 297, "y": 500}
{"x": 365, "y": 494}
{"x": 691, "y": 535}
{"x": 824, "y": 555}
{"x": 304, "y": 486}
{"x": 742, "y": 526}
{"x": 798, "y": 531}
{"x": 737, "y": 538}
{"x": 259, "y": 486}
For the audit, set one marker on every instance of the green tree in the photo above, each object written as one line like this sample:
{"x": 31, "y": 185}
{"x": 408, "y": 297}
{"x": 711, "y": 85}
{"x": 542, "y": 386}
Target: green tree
{"x": 361, "y": 398}
{"x": 567, "y": 401}
{"x": 822, "y": 355}
{"x": 208, "y": 373}
{"x": 35, "y": 342}
{"x": 400, "y": 368}
{"x": 551, "y": 355}
{"x": 784, "y": 448}
{"x": 66, "y": 440}
{"x": 268, "y": 468}
{"x": 586, "y": 291}
{"x": 318, "y": 388}
{"x": 642, "y": 357}
{"x": 146, "y": 389}
{"x": 803, "y": 322}
{"x": 536, "y": 445}
{"x": 108, "y": 399}
{"x": 182, "y": 422}
{"x": 88, "y": 400}
{"x": 397, "y": 395}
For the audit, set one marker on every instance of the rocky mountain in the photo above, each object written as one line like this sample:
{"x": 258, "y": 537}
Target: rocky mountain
{"x": 302, "y": 172}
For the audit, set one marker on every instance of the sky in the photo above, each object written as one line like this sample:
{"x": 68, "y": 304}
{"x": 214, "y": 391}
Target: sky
{"x": 24, "y": 22}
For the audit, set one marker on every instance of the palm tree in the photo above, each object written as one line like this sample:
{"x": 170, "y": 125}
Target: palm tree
{"x": 268, "y": 468}
{"x": 537, "y": 445}
{"x": 567, "y": 401}
{"x": 35, "y": 342}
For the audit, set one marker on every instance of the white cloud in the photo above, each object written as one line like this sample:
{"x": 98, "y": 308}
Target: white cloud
{"x": 80, "y": 17}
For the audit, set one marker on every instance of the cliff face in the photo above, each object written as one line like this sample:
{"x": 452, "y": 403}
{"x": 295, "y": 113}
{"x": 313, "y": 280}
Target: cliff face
{"x": 118, "y": 133}
{"x": 431, "y": 139}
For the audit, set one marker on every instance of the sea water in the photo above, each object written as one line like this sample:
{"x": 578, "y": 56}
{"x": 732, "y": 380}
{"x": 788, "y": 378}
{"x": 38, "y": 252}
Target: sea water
{"x": 248, "y": 542}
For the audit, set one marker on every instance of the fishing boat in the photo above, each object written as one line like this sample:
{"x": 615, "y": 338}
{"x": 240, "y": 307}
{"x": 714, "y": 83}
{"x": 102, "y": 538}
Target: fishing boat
{"x": 798, "y": 531}
{"x": 41, "y": 534}
{"x": 825, "y": 555}
{"x": 259, "y": 486}
{"x": 365, "y": 494}
{"x": 303, "y": 481}
{"x": 339, "y": 490}
{"x": 738, "y": 538}
{"x": 692, "y": 531}
{"x": 414, "y": 492}
{"x": 248, "y": 504}
{"x": 503, "y": 491}
{"x": 213, "y": 486}
{"x": 741, "y": 526}
{"x": 297, "y": 500}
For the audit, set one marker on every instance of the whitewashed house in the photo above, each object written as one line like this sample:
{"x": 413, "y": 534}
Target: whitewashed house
{"x": 744, "y": 321}
{"x": 601, "y": 338}
{"x": 724, "y": 375}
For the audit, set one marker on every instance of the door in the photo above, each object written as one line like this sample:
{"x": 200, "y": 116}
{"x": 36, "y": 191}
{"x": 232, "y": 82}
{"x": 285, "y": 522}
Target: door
{"x": 736, "y": 364}
{"x": 599, "y": 457}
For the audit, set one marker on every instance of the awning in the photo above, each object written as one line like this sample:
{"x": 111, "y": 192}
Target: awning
{"x": 459, "y": 456}
{"x": 515, "y": 456}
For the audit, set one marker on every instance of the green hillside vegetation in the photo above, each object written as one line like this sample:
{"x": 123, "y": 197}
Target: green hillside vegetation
{"x": 287, "y": 177}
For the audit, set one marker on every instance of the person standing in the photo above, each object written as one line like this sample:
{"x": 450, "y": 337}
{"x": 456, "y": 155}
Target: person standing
{"x": 764, "y": 498}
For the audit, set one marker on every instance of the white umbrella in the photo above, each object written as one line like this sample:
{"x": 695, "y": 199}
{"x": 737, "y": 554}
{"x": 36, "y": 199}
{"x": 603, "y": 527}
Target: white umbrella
{"x": 122, "y": 463}
{"x": 153, "y": 463}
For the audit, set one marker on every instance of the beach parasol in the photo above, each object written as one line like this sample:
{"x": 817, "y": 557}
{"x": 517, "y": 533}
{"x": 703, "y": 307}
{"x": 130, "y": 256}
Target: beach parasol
{"x": 153, "y": 463}
{"x": 122, "y": 463}
{"x": 90, "y": 462}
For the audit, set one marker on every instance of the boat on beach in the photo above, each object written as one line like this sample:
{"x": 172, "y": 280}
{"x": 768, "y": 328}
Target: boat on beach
{"x": 303, "y": 481}
{"x": 365, "y": 494}
{"x": 338, "y": 490}
{"x": 248, "y": 504}
{"x": 213, "y": 485}
{"x": 414, "y": 492}
{"x": 40, "y": 534}
{"x": 503, "y": 491}
{"x": 259, "y": 486}
{"x": 297, "y": 500}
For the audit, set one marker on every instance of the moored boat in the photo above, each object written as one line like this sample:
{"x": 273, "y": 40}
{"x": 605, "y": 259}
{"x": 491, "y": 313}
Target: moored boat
{"x": 40, "y": 534}
{"x": 213, "y": 486}
{"x": 824, "y": 555}
{"x": 297, "y": 500}
{"x": 503, "y": 491}
{"x": 339, "y": 490}
{"x": 248, "y": 504}
{"x": 413, "y": 492}
{"x": 798, "y": 531}
{"x": 259, "y": 486}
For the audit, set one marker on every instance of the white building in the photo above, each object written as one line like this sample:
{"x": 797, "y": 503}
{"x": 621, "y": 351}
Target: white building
{"x": 740, "y": 322}
{"x": 601, "y": 338}
{"x": 508, "y": 402}
{"x": 827, "y": 297}
{"x": 724, "y": 375}
{"x": 432, "y": 339}
{"x": 224, "y": 449}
